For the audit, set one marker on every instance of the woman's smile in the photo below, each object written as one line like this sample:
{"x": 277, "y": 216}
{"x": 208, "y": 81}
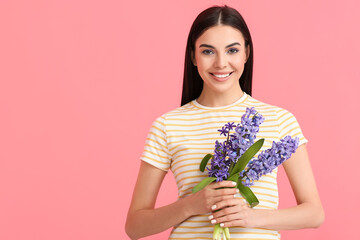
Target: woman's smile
{"x": 221, "y": 76}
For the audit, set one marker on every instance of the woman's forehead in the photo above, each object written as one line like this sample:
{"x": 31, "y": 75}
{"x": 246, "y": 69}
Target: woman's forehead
{"x": 220, "y": 35}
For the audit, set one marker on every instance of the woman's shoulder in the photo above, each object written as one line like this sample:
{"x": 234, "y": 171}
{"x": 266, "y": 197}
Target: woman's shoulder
{"x": 178, "y": 112}
{"x": 262, "y": 106}
{"x": 282, "y": 115}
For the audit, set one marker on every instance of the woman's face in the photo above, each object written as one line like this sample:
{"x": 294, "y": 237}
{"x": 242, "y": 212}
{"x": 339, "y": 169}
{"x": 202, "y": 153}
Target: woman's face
{"x": 220, "y": 55}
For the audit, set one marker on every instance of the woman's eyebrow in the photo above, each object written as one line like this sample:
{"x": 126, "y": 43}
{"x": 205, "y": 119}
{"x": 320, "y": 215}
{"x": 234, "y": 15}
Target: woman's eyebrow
{"x": 209, "y": 46}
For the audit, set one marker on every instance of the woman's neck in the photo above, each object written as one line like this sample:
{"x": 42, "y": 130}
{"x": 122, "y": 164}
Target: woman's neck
{"x": 214, "y": 99}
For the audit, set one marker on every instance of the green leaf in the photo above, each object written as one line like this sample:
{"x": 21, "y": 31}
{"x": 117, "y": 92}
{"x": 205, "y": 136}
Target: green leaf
{"x": 247, "y": 156}
{"x": 233, "y": 178}
{"x": 203, "y": 184}
{"x": 204, "y": 161}
{"x": 248, "y": 194}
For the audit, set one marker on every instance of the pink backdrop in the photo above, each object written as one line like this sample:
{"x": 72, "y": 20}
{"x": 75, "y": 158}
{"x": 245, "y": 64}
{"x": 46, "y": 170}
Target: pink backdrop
{"x": 82, "y": 81}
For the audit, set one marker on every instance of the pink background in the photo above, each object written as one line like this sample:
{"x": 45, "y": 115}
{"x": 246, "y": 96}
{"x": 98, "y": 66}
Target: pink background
{"x": 82, "y": 81}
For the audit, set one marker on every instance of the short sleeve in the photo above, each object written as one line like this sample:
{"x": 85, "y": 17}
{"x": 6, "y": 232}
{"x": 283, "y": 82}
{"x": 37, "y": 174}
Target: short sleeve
{"x": 288, "y": 125}
{"x": 156, "y": 150}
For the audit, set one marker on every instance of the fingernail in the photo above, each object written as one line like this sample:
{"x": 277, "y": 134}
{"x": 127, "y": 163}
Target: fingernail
{"x": 222, "y": 225}
{"x": 213, "y": 221}
{"x": 237, "y": 190}
{"x": 211, "y": 217}
{"x": 235, "y": 195}
{"x": 233, "y": 183}
{"x": 213, "y": 207}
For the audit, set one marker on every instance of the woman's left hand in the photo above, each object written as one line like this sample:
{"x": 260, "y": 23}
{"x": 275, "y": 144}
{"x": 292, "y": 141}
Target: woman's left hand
{"x": 233, "y": 213}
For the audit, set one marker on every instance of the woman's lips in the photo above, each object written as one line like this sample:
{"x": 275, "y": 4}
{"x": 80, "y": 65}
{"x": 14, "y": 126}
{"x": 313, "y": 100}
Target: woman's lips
{"x": 219, "y": 76}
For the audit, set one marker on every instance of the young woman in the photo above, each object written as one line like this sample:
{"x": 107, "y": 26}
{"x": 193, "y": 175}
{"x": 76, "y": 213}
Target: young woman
{"x": 217, "y": 90}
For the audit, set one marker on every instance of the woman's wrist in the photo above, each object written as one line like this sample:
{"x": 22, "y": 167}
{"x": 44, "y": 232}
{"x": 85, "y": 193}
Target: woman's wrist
{"x": 188, "y": 206}
{"x": 259, "y": 217}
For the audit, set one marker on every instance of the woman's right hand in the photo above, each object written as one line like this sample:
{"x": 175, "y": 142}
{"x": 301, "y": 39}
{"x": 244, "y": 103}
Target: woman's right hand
{"x": 202, "y": 201}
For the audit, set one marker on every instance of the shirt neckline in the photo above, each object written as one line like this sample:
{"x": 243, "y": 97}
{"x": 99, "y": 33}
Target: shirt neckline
{"x": 241, "y": 99}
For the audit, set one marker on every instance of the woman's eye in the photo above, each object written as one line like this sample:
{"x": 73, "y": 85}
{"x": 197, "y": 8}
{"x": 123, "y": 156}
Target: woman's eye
{"x": 207, "y": 52}
{"x": 233, "y": 50}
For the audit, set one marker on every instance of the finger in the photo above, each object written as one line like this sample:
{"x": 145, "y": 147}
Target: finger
{"x": 222, "y": 198}
{"x": 223, "y": 184}
{"x": 229, "y": 203}
{"x": 227, "y": 218}
{"x": 226, "y": 211}
{"x": 234, "y": 223}
{"x": 225, "y": 192}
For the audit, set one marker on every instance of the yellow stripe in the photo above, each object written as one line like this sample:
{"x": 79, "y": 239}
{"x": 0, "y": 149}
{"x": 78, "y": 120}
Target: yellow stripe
{"x": 261, "y": 181}
{"x": 283, "y": 114}
{"x": 185, "y": 184}
{"x": 288, "y": 133}
{"x": 171, "y": 149}
{"x": 211, "y": 139}
{"x": 156, "y": 154}
{"x": 186, "y": 165}
{"x": 182, "y": 179}
{"x": 161, "y": 123}
{"x": 190, "y": 238}
{"x": 159, "y": 129}
{"x": 205, "y": 118}
{"x": 202, "y": 124}
{"x": 154, "y": 134}
{"x": 266, "y": 194}
{"x": 272, "y": 234}
{"x": 216, "y": 133}
{"x": 257, "y": 193}
{"x": 266, "y": 188}
{"x": 289, "y": 124}
{"x": 152, "y": 140}
{"x": 211, "y": 149}
{"x": 210, "y": 226}
{"x": 269, "y": 201}
{"x": 179, "y": 161}
{"x": 175, "y": 161}
{"x": 265, "y": 111}
{"x": 247, "y": 238}
{"x": 150, "y": 158}
{"x": 267, "y": 144}
{"x": 208, "y": 117}
{"x": 209, "y": 128}
{"x": 159, "y": 149}
{"x": 174, "y": 232}
{"x": 193, "y": 153}
{"x": 187, "y": 171}
{"x": 199, "y": 227}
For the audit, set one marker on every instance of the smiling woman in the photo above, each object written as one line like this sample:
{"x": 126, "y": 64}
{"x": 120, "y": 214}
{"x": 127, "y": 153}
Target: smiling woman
{"x": 217, "y": 90}
{"x": 220, "y": 64}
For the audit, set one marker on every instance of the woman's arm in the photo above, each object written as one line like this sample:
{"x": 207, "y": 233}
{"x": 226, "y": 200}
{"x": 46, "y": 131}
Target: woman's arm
{"x": 308, "y": 213}
{"x": 143, "y": 220}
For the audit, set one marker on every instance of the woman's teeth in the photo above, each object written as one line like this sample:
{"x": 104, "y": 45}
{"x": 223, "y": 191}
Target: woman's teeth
{"x": 222, "y": 75}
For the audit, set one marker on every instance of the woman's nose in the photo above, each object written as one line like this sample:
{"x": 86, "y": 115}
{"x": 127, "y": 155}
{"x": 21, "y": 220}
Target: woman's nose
{"x": 220, "y": 61}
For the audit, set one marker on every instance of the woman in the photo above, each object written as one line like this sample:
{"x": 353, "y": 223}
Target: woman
{"x": 217, "y": 90}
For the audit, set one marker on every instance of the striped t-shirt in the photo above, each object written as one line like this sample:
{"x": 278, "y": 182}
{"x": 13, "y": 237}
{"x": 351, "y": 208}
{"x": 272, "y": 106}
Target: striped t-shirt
{"x": 179, "y": 139}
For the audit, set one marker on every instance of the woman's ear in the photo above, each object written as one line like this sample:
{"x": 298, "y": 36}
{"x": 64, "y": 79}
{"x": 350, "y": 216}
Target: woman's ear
{"x": 247, "y": 53}
{"x": 193, "y": 58}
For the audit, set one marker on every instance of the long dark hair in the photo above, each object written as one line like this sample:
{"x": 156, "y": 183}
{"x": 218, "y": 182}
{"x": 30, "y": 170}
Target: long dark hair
{"x": 216, "y": 15}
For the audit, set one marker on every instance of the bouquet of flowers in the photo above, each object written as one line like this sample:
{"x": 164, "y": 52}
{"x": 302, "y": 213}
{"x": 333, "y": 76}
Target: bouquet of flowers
{"x": 233, "y": 159}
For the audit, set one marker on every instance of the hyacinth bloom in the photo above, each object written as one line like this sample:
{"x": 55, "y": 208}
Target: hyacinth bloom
{"x": 226, "y": 154}
{"x": 269, "y": 159}
{"x": 233, "y": 159}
